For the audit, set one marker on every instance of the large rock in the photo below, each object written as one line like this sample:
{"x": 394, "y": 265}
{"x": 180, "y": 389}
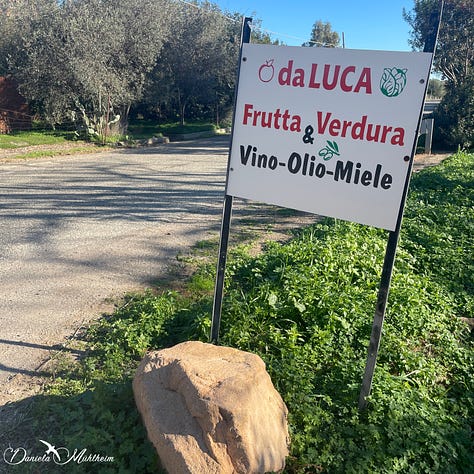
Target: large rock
{"x": 211, "y": 409}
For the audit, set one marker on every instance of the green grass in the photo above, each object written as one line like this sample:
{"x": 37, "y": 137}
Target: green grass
{"x": 61, "y": 152}
{"x": 139, "y": 129}
{"x": 146, "y": 128}
{"x": 306, "y": 308}
{"x": 30, "y": 138}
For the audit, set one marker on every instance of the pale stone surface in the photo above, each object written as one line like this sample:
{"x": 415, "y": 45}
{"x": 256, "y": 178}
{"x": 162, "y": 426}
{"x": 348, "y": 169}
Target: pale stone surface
{"x": 211, "y": 409}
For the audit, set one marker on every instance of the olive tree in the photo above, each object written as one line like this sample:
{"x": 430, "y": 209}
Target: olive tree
{"x": 196, "y": 74}
{"x": 87, "y": 60}
{"x": 436, "y": 88}
{"x": 454, "y": 57}
{"x": 16, "y": 17}
{"x": 323, "y": 35}
{"x": 193, "y": 70}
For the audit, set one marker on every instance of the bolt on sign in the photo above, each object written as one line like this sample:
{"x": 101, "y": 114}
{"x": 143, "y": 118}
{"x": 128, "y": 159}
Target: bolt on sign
{"x": 327, "y": 131}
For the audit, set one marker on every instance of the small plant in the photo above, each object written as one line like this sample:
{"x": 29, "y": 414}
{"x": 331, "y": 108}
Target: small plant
{"x": 98, "y": 129}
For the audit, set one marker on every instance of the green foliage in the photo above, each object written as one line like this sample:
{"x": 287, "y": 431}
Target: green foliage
{"x": 454, "y": 59}
{"x": 454, "y": 56}
{"x": 306, "y": 308}
{"x": 177, "y": 128}
{"x": 85, "y": 59}
{"x": 139, "y": 129}
{"x": 102, "y": 420}
{"x": 22, "y": 139}
{"x": 323, "y": 35}
{"x": 195, "y": 73}
{"x": 454, "y": 117}
{"x": 436, "y": 88}
{"x": 307, "y": 311}
{"x": 439, "y": 227}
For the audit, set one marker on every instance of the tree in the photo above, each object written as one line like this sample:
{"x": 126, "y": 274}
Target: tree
{"x": 88, "y": 59}
{"x": 186, "y": 75}
{"x": 436, "y": 88}
{"x": 15, "y": 20}
{"x": 454, "y": 59}
{"x": 227, "y": 72}
{"x": 454, "y": 118}
{"x": 195, "y": 76}
{"x": 322, "y": 35}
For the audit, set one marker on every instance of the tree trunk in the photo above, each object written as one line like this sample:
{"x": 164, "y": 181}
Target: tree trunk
{"x": 182, "y": 107}
{"x": 121, "y": 127}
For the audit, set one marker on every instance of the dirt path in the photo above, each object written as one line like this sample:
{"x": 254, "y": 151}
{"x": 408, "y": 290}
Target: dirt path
{"x": 424, "y": 161}
{"x": 77, "y": 233}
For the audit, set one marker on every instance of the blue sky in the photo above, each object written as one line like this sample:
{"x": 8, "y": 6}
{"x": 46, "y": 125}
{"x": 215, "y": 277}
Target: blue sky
{"x": 366, "y": 24}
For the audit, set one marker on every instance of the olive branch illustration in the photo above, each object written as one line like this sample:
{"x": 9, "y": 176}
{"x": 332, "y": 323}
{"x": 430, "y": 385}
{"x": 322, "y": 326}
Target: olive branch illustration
{"x": 329, "y": 150}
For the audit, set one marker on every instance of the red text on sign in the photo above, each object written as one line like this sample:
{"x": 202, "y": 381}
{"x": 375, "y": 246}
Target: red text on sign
{"x": 328, "y": 77}
{"x": 359, "y": 130}
{"x": 277, "y": 120}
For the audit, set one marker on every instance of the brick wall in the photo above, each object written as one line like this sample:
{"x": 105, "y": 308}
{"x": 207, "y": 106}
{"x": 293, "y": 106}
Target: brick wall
{"x": 14, "y": 112}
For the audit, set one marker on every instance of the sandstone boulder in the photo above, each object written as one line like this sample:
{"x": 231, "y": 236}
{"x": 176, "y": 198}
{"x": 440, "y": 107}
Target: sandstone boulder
{"x": 211, "y": 409}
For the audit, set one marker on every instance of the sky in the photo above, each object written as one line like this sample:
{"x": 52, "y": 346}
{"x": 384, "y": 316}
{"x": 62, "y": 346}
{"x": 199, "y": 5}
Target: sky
{"x": 366, "y": 24}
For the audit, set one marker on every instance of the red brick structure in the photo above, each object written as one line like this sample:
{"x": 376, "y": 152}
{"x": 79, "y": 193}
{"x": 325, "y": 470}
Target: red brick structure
{"x": 14, "y": 112}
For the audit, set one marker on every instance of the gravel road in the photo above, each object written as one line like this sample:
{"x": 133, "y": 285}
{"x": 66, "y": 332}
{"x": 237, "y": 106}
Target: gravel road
{"x": 78, "y": 231}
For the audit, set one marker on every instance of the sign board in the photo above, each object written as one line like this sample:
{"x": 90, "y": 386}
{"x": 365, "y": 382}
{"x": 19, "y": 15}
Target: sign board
{"x": 328, "y": 131}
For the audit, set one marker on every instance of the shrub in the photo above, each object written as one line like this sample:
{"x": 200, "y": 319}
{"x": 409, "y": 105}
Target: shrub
{"x": 454, "y": 118}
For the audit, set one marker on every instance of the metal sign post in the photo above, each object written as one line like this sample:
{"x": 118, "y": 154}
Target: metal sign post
{"x": 226, "y": 215}
{"x": 391, "y": 248}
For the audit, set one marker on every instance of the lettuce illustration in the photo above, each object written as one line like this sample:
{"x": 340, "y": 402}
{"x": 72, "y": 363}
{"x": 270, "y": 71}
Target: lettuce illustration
{"x": 393, "y": 81}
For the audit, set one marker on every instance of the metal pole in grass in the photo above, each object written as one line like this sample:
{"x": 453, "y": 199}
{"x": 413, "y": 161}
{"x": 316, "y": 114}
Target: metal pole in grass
{"x": 391, "y": 249}
{"x": 226, "y": 213}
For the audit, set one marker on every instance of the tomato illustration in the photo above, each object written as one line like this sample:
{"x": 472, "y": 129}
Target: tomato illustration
{"x": 266, "y": 71}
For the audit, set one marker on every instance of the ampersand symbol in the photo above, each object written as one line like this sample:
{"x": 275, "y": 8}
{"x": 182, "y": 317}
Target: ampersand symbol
{"x": 308, "y": 131}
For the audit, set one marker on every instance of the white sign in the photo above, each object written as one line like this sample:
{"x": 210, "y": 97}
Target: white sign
{"x": 328, "y": 131}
